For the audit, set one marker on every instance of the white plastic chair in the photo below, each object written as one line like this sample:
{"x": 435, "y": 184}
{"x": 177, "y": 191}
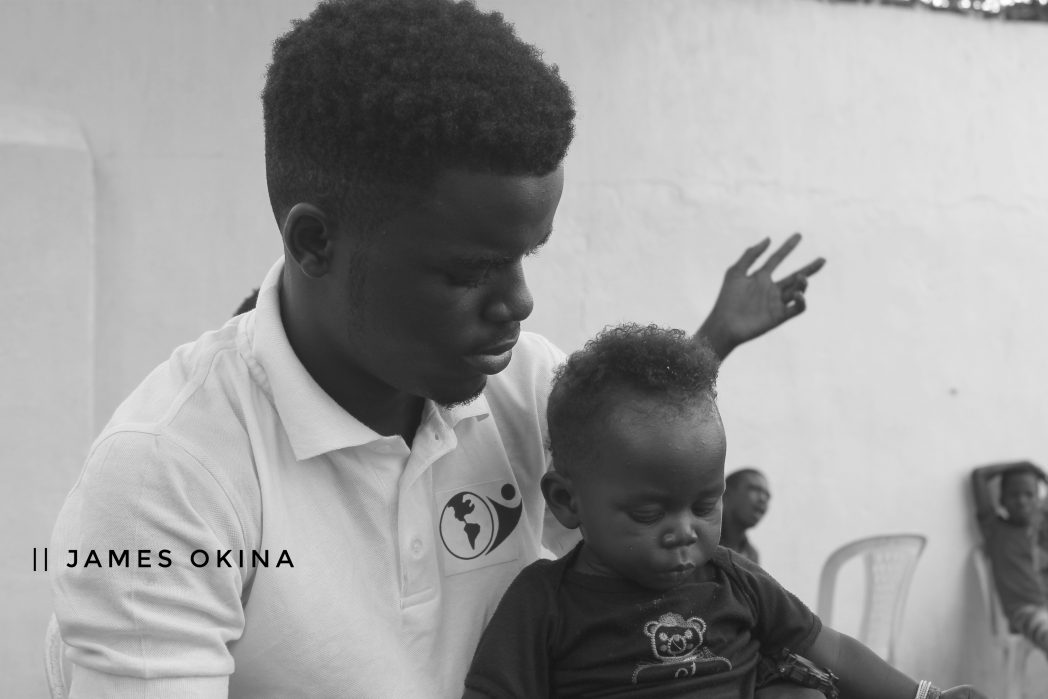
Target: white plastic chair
{"x": 55, "y": 664}
{"x": 1014, "y": 647}
{"x": 890, "y": 562}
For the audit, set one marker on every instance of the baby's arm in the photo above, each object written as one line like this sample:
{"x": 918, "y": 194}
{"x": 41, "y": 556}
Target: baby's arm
{"x": 784, "y": 690}
{"x": 865, "y": 675}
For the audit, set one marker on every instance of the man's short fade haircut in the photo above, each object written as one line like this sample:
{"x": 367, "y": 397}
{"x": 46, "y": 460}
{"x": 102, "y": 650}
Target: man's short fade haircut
{"x": 664, "y": 365}
{"x": 365, "y": 99}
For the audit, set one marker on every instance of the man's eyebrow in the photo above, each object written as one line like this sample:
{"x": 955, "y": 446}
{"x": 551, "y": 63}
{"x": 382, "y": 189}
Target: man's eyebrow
{"x": 494, "y": 260}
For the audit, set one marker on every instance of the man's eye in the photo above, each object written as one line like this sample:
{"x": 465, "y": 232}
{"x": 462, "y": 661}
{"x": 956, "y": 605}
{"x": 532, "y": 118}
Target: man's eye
{"x": 645, "y": 516}
{"x": 471, "y": 280}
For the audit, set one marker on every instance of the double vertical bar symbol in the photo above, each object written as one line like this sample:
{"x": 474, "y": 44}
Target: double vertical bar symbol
{"x": 36, "y": 556}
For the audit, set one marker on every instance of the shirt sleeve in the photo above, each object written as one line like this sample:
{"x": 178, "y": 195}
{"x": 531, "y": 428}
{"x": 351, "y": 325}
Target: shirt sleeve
{"x": 142, "y": 617}
{"x": 512, "y": 658}
{"x": 782, "y": 620}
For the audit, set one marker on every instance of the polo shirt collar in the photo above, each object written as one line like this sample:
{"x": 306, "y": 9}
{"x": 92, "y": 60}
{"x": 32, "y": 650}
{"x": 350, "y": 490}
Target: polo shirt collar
{"x": 315, "y": 424}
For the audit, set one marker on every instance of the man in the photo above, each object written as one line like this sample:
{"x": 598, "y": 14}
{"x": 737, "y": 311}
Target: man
{"x": 328, "y": 495}
{"x": 746, "y": 498}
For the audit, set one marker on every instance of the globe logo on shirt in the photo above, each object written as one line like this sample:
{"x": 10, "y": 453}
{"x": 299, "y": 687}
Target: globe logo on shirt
{"x": 472, "y": 526}
{"x": 466, "y": 525}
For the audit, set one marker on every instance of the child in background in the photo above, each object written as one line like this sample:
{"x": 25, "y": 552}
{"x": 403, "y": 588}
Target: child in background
{"x": 1017, "y": 544}
{"x": 648, "y": 604}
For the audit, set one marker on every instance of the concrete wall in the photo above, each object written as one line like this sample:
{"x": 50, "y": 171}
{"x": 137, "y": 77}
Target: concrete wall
{"x": 907, "y": 146}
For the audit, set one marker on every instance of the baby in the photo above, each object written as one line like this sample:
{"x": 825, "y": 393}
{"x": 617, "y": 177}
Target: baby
{"x": 648, "y": 604}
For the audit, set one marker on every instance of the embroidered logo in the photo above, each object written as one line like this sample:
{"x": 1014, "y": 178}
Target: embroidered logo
{"x": 473, "y": 525}
{"x": 676, "y": 643}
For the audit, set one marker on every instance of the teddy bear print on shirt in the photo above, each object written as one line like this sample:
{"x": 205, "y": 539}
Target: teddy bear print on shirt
{"x": 676, "y": 643}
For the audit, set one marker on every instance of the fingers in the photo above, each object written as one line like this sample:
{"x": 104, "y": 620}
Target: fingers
{"x": 750, "y": 255}
{"x": 794, "y": 282}
{"x": 795, "y": 304}
{"x": 779, "y": 255}
{"x": 753, "y": 253}
{"x": 812, "y": 267}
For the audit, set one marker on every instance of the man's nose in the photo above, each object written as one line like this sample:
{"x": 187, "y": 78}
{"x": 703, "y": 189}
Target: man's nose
{"x": 512, "y": 300}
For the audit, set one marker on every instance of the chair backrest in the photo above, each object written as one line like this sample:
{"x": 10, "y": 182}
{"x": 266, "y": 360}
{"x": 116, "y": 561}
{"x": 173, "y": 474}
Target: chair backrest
{"x": 1016, "y": 649}
{"x": 890, "y": 562}
{"x": 988, "y": 590}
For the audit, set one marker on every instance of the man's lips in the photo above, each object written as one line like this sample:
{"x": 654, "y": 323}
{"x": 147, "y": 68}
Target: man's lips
{"x": 500, "y": 346}
{"x": 494, "y": 357}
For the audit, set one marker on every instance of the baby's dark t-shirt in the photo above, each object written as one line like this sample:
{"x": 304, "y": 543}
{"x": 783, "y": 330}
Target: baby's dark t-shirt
{"x": 561, "y": 633}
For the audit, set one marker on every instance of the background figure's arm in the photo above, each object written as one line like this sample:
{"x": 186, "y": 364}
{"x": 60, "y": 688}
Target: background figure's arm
{"x": 865, "y": 675}
{"x": 750, "y": 305}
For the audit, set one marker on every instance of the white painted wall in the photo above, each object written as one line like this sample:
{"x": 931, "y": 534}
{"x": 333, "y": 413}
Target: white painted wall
{"x": 47, "y": 316}
{"x": 908, "y": 147}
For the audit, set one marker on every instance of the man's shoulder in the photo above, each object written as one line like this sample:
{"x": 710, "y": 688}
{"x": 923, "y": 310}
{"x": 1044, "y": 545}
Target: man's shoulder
{"x": 196, "y": 393}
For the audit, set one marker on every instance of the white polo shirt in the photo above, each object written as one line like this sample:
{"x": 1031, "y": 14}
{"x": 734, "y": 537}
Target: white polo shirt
{"x": 397, "y": 556}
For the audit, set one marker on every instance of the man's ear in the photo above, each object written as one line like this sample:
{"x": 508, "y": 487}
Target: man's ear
{"x": 309, "y": 239}
{"x": 560, "y": 498}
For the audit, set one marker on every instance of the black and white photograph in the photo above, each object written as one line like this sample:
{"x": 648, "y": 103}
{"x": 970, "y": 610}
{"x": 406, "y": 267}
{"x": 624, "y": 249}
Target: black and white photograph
{"x": 493, "y": 349}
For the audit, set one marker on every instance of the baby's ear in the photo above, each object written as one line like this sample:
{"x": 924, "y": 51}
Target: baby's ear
{"x": 560, "y": 498}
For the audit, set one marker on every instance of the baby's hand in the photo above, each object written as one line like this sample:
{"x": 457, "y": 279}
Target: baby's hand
{"x": 965, "y": 691}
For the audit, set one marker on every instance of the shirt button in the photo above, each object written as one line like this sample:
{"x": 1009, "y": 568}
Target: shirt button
{"x": 416, "y": 547}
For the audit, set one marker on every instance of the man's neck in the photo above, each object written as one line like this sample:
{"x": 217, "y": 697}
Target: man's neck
{"x": 374, "y": 403}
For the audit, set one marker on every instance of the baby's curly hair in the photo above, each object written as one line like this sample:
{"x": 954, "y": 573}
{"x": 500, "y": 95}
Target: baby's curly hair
{"x": 662, "y": 364}
{"x": 367, "y": 99}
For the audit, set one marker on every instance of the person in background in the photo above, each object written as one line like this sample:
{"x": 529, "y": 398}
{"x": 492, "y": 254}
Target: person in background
{"x": 375, "y": 427}
{"x": 746, "y": 498}
{"x": 648, "y": 604}
{"x": 1016, "y": 542}
{"x": 248, "y": 303}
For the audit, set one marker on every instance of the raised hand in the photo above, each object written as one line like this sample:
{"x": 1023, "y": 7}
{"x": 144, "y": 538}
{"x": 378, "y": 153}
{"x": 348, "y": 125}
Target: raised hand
{"x": 751, "y": 304}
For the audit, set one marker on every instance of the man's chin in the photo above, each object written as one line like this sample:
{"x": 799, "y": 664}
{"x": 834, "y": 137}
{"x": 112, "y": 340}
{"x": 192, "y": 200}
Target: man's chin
{"x": 464, "y": 396}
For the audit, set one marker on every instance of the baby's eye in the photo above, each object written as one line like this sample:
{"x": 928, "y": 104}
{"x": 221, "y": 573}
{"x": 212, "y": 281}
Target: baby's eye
{"x": 701, "y": 509}
{"x": 645, "y": 516}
